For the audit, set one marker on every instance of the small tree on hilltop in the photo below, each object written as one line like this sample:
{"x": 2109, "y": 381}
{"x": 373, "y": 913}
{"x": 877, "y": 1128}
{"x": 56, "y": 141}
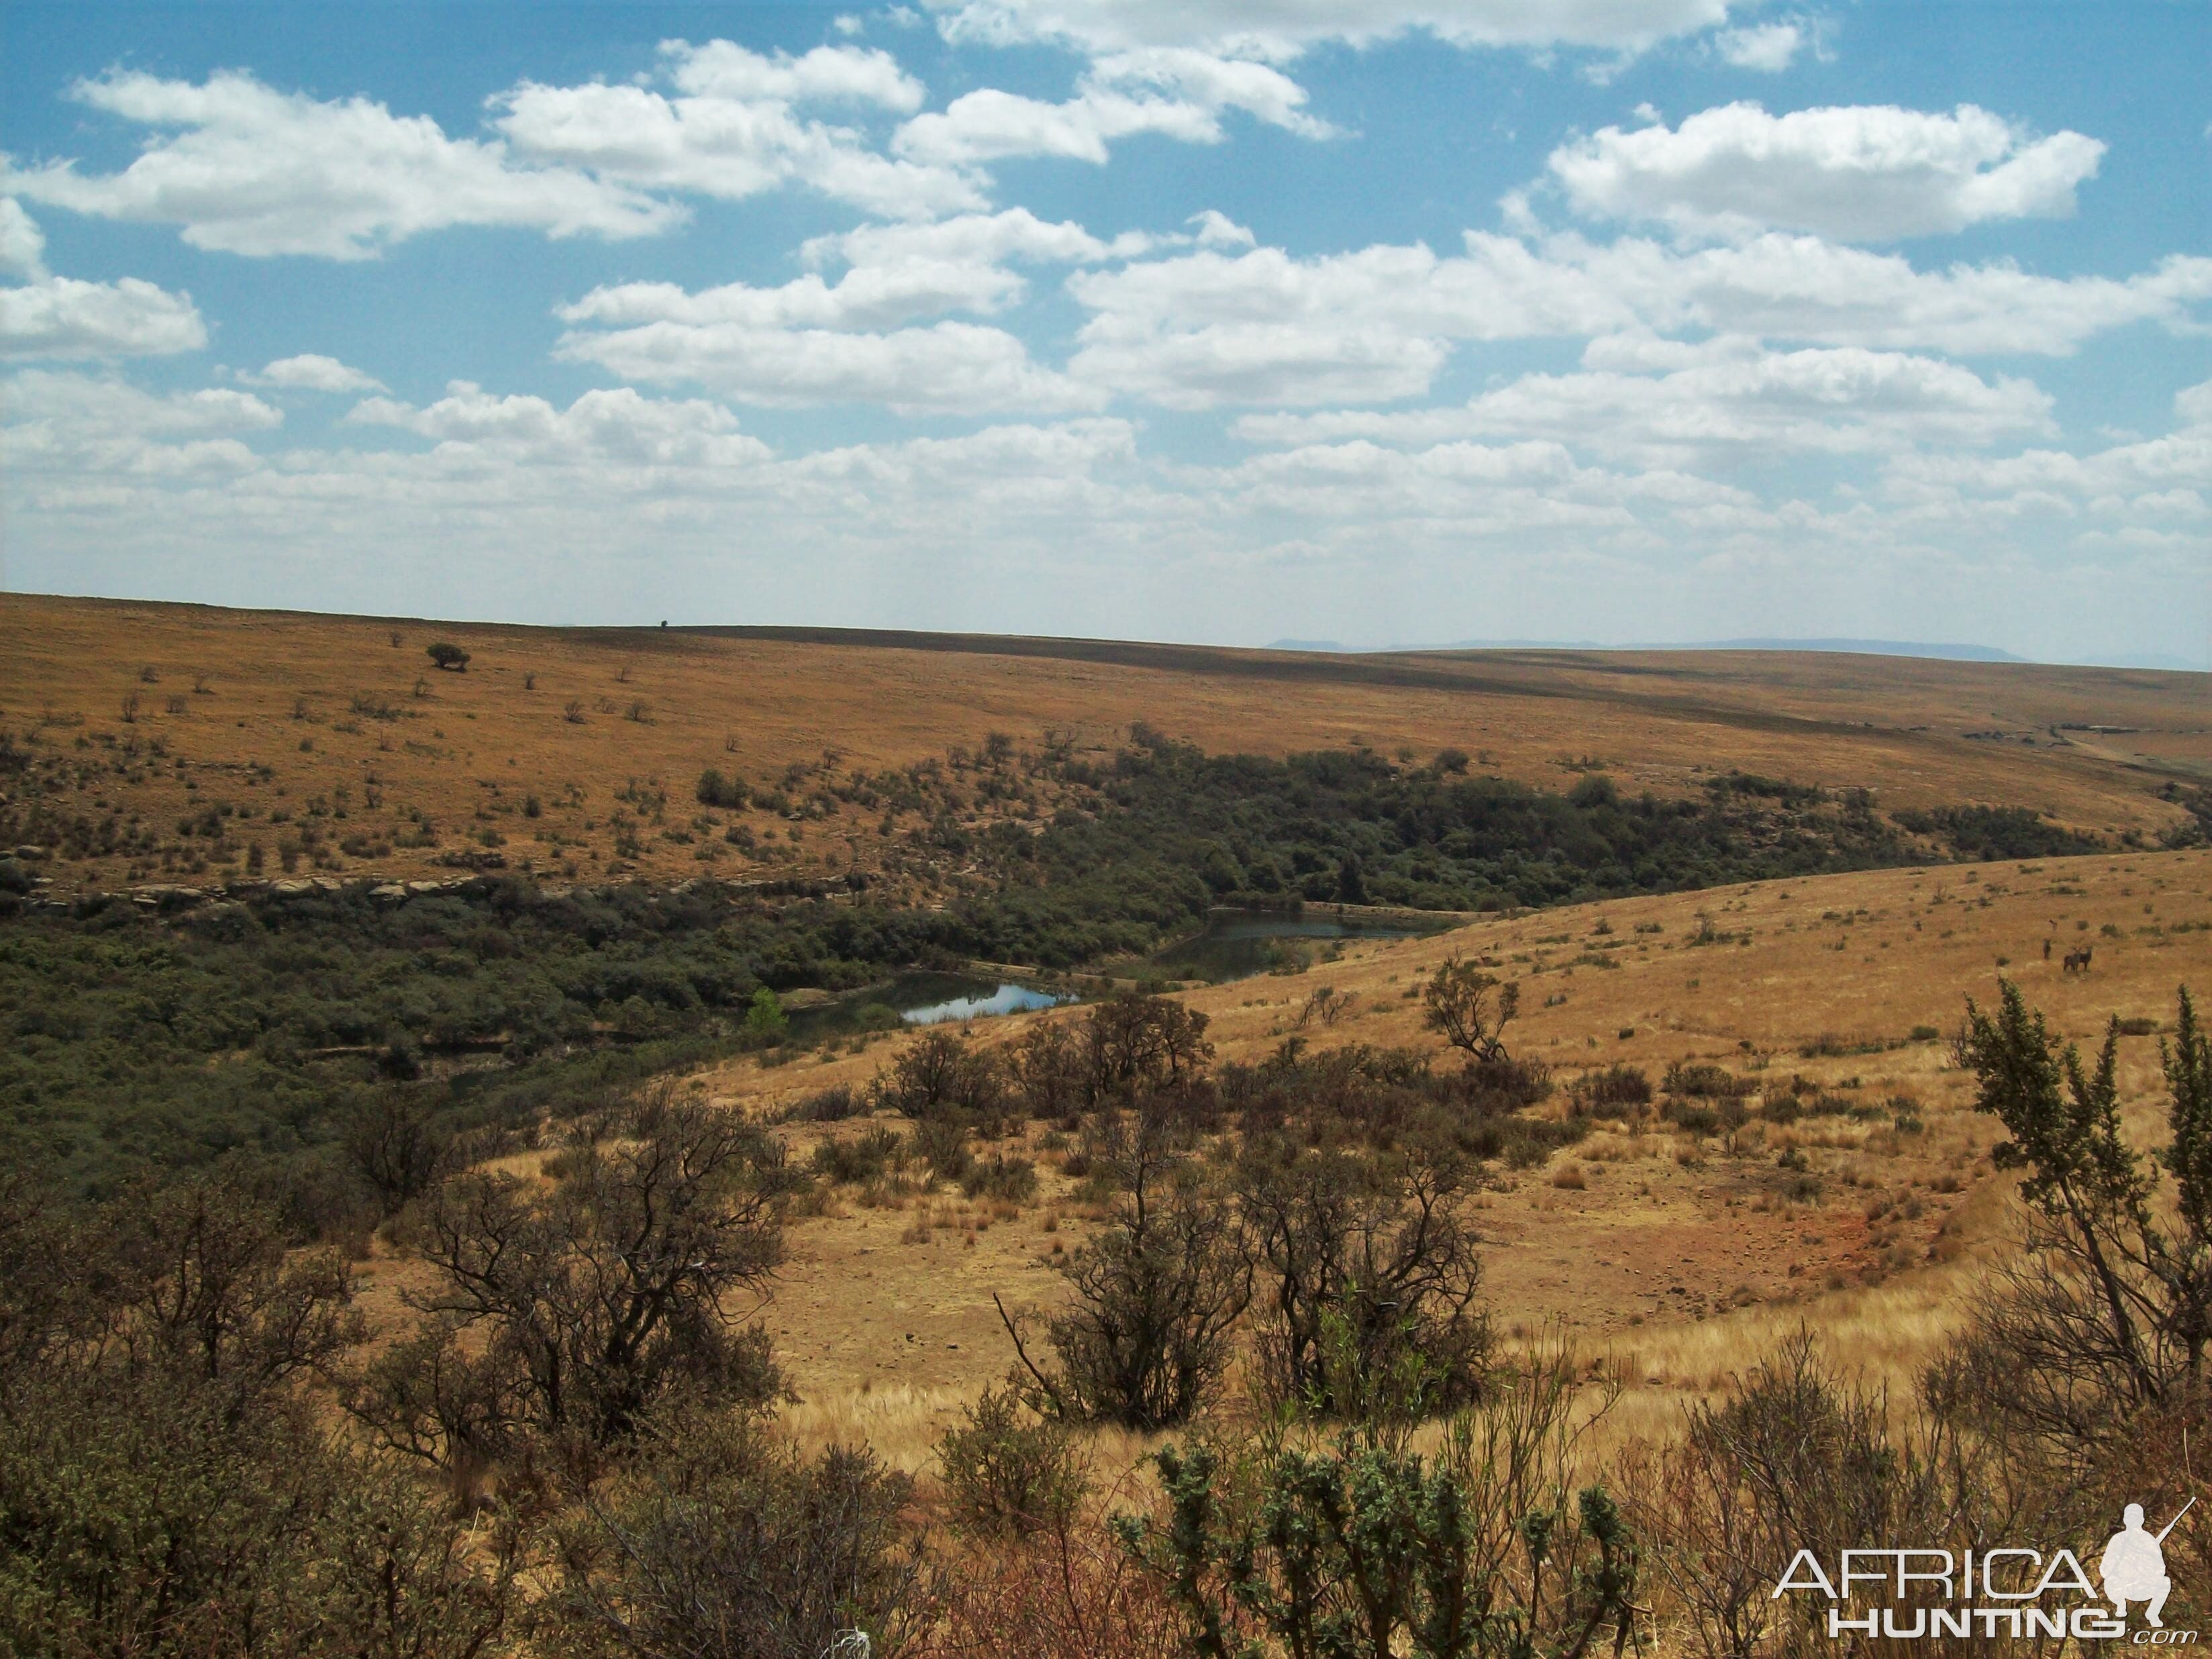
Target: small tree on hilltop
{"x": 1470, "y": 1007}
{"x": 446, "y": 654}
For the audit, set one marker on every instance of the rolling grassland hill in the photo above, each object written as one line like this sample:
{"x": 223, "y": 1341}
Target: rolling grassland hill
{"x": 150, "y": 746}
{"x": 1666, "y": 1244}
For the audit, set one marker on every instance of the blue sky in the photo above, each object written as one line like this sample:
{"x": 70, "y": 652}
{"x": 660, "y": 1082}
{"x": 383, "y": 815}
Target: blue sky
{"x": 1380, "y": 321}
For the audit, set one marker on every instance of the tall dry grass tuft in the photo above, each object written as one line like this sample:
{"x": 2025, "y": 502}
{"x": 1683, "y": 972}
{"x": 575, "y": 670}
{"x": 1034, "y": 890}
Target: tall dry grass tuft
{"x": 901, "y": 1423}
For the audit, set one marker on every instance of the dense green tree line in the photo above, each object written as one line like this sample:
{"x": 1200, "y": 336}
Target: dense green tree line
{"x": 127, "y": 1037}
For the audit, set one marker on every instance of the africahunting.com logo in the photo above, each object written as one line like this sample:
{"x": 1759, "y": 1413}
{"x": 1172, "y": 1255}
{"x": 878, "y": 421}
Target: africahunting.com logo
{"x": 2002, "y": 1592}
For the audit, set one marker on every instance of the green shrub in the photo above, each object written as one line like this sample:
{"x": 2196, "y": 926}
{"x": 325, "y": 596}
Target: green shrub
{"x": 1706, "y": 1081}
{"x": 865, "y": 1158}
{"x": 942, "y": 1145}
{"x": 1612, "y": 1092}
{"x": 1361, "y": 1547}
{"x": 765, "y": 1020}
{"x": 1011, "y": 1180}
{"x": 1008, "y": 1470}
{"x": 832, "y": 1105}
{"x": 716, "y": 790}
{"x": 723, "y": 1539}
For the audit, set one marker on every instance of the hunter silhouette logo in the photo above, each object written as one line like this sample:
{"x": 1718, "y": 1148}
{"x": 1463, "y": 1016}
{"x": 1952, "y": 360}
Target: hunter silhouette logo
{"x": 2134, "y": 1565}
{"x": 1911, "y": 1594}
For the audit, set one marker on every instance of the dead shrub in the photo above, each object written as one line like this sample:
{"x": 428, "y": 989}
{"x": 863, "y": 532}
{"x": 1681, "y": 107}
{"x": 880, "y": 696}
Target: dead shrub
{"x": 1072, "y": 1593}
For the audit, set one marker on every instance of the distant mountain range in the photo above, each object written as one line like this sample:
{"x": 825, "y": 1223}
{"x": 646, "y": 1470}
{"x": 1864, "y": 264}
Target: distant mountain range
{"x": 1950, "y": 653}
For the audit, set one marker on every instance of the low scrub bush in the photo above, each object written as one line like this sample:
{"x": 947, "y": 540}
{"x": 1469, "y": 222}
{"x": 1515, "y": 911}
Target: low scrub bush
{"x": 1704, "y": 1080}
{"x": 1145, "y": 1335}
{"x": 942, "y": 1146}
{"x": 1359, "y": 1546}
{"x": 721, "y": 1539}
{"x": 1367, "y": 1274}
{"x": 834, "y": 1104}
{"x": 716, "y": 790}
{"x": 1008, "y": 1471}
{"x": 867, "y": 1157}
{"x": 1721, "y": 1117}
{"x": 1614, "y": 1092}
{"x": 1072, "y": 1593}
{"x": 1007, "y": 1179}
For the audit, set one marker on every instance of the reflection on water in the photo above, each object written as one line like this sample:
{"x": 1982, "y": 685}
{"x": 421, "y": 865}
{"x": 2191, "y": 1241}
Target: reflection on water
{"x": 1238, "y": 944}
{"x": 1235, "y": 945}
{"x": 1005, "y": 1000}
{"x": 913, "y": 999}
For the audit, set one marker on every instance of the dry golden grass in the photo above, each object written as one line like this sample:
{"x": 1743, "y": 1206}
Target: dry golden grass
{"x": 326, "y": 703}
{"x": 1674, "y": 1264}
{"x": 1672, "y": 1275}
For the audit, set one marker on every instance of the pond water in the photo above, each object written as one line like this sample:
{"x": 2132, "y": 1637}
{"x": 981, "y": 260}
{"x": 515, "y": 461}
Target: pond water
{"x": 1003, "y": 999}
{"x": 916, "y": 999}
{"x": 1235, "y": 945}
{"x": 1238, "y": 944}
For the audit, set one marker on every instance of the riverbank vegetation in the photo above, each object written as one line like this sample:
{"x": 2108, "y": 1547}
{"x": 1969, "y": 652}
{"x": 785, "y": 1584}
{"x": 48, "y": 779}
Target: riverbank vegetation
{"x": 173, "y": 1030}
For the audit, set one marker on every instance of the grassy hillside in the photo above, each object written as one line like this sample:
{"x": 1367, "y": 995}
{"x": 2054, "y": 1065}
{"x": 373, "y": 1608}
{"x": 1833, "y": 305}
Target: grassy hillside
{"x": 305, "y": 940}
{"x": 144, "y": 743}
{"x": 1679, "y": 1253}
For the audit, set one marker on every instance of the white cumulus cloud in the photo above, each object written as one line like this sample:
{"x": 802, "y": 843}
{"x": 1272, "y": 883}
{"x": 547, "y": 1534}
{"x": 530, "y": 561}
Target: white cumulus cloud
{"x": 973, "y": 240}
{"x": 1208, "y": 328}
{"x": 59, "y": 317}
{"x": 858, "y": 75}
{"x": 22, "y": 244}
{"x": 813, "y": 340}
{"x": 64, "y": 427}
{"x": 897, "y": 273}
{"x": 1863, "y": 173}
{"x": 1769, "y": 48}
{"x": 1174, "y": 92}
{"x": 92, "y": 404}
{"x": 1283, "y": 27}
{"x": 728, "y": 124}
{"x": 946, "y": 367}
{"x": 1804, "y": 289}
{"x": 2166, "y": 478}
{"x": 869, "y": 297}
{"x": 1736, "y": 399}
{"x": 244, "y": 168}
{"x": 312, "y": 372}
{"x": 618, "y": 425}
{"x": 1261, "y": 327}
